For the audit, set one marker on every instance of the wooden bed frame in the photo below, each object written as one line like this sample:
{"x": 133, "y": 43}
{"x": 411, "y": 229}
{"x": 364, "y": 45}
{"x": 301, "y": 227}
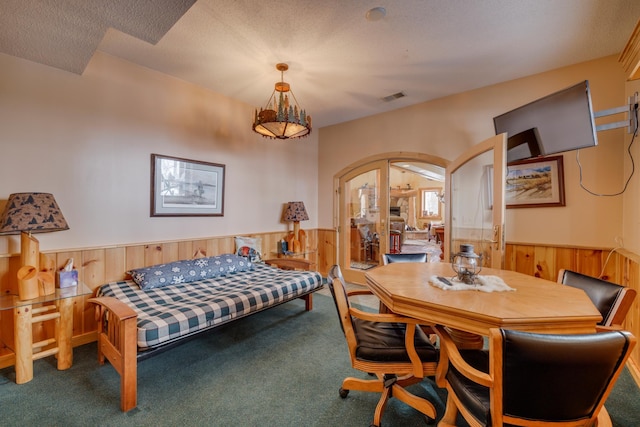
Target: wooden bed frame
{"x": 117, "y": 334}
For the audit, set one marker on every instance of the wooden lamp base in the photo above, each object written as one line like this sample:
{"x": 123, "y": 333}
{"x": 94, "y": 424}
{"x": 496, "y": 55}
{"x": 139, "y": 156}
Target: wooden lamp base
{"x": 297, "y": 241}
{"x": 32, "y": 282}
{"x": 30, "y": 261}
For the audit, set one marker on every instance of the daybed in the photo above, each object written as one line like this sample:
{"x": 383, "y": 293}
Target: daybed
{"x": 135, "y": 323}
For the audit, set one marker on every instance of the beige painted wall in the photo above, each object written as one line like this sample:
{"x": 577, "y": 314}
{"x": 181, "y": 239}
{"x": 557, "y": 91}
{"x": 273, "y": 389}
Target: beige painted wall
{"x": 631, "y": 216}
{"x": 448, "y": 126}
{"x": 88, "y": 139}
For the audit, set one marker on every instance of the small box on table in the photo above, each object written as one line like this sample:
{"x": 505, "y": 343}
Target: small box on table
{"x": 66, "y": 279}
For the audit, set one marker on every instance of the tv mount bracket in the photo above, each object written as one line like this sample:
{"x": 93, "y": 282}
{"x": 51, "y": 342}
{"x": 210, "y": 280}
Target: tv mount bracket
{"x": 629, "y": 109}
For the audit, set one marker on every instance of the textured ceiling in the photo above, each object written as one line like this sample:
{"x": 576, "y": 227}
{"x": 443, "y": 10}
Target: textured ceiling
{"x": 341, "y": 64}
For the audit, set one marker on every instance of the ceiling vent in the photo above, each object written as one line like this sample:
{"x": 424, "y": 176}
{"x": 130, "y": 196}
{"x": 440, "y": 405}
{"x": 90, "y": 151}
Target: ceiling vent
{"x": 390, "y": 98}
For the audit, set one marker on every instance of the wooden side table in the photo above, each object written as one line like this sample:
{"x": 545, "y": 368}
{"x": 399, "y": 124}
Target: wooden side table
{"x": 292, "y": 263}
{"x": 57, "y": 307}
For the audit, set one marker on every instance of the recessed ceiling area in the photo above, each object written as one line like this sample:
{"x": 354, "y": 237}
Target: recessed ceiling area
{"x": 426, "y": 170}
{"x": 344, "y": 57}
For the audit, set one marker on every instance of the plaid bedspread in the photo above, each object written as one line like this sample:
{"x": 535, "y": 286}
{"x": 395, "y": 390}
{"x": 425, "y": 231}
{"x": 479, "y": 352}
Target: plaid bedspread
{"x": 165, "y": 314}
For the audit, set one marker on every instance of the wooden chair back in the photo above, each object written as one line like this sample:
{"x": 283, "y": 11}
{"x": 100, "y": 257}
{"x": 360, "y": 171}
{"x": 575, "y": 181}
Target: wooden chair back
{"x": 347, "y": 314}
{"x": 533, "y": 379}
{"x": 337, "y": 286}
{"x": 612, "y": 300}
{"x": 389, "y": 346}
{"x": 404, "y": 257}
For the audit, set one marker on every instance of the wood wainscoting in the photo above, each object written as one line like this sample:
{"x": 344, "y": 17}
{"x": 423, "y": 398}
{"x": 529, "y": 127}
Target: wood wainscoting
{"x": 101, "y": 265}
{"x": 617, "y": 266}
{"x": 97, "y": 266}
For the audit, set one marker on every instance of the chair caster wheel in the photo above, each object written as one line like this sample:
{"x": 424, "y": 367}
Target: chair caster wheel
{"x": 343, "y": 393}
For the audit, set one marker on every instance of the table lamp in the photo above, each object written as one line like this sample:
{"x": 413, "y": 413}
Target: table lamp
{"x": 26, "y": 214}
{"x": 296, "y": 212}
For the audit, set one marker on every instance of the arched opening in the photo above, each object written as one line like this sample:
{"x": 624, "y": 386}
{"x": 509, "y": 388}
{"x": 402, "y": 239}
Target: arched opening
{"x": 388, "y": 203}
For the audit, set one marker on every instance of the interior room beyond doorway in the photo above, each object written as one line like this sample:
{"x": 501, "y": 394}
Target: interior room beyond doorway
{"x": 415, "y": 216}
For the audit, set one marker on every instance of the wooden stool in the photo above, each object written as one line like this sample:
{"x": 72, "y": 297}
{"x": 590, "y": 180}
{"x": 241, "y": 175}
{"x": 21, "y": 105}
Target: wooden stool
{"x": 394, "y": 242}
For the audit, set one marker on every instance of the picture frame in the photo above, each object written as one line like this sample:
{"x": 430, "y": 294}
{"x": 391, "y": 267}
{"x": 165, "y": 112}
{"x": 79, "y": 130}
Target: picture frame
{"x": 183, "y": 187}
{"x": 535, "y": 183}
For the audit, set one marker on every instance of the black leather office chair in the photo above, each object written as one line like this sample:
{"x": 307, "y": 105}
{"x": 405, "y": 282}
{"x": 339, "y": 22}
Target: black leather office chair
{"x": 387, "y": 345}
{"x": 612, "y": 300}
{"x": 407, "y": 257}
{"x": 404, "y": 257}
{"x": 530, "y": 379}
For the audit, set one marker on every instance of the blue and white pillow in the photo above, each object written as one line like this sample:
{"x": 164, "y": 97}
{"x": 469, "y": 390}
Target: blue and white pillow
{"x": 187, "y": 271}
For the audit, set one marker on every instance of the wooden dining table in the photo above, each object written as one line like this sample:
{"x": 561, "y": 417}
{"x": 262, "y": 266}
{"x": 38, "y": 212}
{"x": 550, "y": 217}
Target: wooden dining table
{"x": 536, "y": 305}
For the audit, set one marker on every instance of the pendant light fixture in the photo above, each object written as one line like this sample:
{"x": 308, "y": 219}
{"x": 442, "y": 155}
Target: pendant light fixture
{"x": 281, "y": 118}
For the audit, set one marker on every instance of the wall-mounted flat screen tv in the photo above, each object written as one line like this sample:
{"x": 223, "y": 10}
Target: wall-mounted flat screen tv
{"x": 562, "y": 121}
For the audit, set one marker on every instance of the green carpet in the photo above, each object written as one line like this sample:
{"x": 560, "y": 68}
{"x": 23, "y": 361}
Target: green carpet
{"x": 281, "y": 367}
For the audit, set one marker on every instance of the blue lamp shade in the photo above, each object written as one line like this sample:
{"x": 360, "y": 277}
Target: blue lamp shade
{"x": 295, "y": 212}
{"x": 33, "y": 213}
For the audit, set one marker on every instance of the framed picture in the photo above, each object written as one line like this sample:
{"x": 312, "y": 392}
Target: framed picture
{"x": 535, "y": 183}
{"x": 181, "y": 187}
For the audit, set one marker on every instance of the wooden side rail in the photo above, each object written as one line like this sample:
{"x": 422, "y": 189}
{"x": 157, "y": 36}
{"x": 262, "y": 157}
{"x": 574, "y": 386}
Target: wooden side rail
{"x": 117, "y": 342}
{"x": 117, "y": 336}
{"x": 622, "y": 306}
{"x": 295, "y": 264}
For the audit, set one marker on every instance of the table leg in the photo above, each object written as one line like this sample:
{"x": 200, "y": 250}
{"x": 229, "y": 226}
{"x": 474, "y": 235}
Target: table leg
{"x": 23, "y": 340}
{"x": 64, "y": 332}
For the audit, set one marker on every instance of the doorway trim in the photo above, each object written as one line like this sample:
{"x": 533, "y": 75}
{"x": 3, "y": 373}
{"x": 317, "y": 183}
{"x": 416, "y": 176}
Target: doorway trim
{"x": 389, "y": 157}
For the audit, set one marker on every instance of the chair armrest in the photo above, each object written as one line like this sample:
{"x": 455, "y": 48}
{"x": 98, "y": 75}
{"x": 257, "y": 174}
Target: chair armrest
{"x": 117, "y": 343}
{"x": 622, "y": 306}
{"x": 410, "y": 333}
{"x": 359, "y": 292}
{"x": 601, "y": 328}
{"x": 383, "y": 317}
{"x": 119, "y": 309}
{"x": 449, "y": 353}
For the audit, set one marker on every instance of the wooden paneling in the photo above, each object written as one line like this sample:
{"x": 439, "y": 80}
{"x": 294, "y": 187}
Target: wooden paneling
{"x": 114, "y": 264}
{"x": 97, "y": 266}
{"x": 615, "y": 266}
{"x": 631, "y": 274}
{"x": 6, "y": 287}
{"x": 100, "y": 265}
{"x": 566, "y": 258}
{"x": 327, "y": 250}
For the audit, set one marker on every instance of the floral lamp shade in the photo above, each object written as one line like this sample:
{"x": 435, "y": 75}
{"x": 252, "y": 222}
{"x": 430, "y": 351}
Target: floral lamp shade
{"x": 295, "y": 212}
{"x": 32, "y": 212}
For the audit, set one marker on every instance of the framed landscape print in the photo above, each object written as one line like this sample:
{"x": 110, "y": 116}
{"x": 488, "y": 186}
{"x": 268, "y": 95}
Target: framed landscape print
{"x": 535, "y": 183}
{"x": 181, "y": 187}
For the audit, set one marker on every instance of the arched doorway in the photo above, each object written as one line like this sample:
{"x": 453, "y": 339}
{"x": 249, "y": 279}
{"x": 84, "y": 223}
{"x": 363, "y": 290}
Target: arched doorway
{"x": 383, "y": 202}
